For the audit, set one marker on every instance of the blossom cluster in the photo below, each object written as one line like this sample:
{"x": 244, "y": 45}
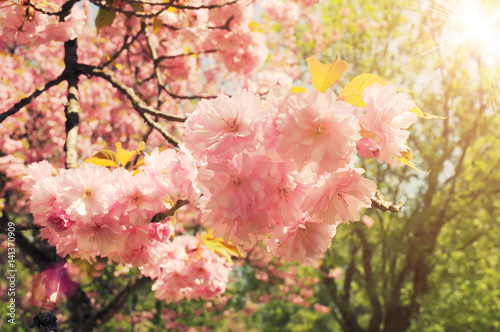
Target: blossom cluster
{"x": 282, "y": 170}
{"x": 25, "y": 25}
{"x": 185, "y": 268}
{"x": 92, "y": 211}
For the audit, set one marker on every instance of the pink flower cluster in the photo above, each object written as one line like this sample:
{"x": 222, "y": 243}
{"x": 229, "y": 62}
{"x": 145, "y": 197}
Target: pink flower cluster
{"x": 23, "y": 25}
{"x": 387, "y": 112}
{"x": 92, "y": 211}
{"x": 282, "y": 169}
{"x": 185, "y": 268}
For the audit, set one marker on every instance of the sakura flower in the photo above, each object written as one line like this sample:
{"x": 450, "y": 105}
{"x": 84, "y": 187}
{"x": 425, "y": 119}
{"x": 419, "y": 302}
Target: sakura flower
{"x": 187, "y": 269}
{"x": 223, "y": 126}
{"x": 36, "y": 172}
{"x": 237, "y": 194}
{"x": 368, "y": 148}
{"x": 88, "y": 191}
{"x": 141, "y": 198}
{"x": 318, "y": 128}
{"x": 387, "y": 112}
{"x": 307, "y": 239}
{"x": 338, "y": 197}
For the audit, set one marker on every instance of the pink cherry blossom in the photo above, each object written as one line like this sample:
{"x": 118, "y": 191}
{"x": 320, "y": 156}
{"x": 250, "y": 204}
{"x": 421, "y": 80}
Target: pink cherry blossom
{"x": 318, "y": 128}
{"x": 367, "y": 148}
{"x": 307, "y": 239}
{"x": 187, "y": 269}
{"x": 223, "y": 126}
{"x": 88, "y": 191}
{"x": 338, "y": 197}
{"x": 387, "y": 112}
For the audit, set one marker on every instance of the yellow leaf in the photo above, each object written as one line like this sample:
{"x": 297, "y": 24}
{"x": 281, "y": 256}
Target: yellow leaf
{"x": 104, "y": 158}
{"x": 417, "y": 111}
{"x": 425, "y": 115}
{"x": 352, "y": 93}
{"x": 157, "y": 25}
{"x": 431, "y": 116}
{"x": 139, "y": 163}
{"x": 324, "y": 75}
{"x": 124, "y": 155}
{"x": 255, "y": 27}
{"x": 298, "y": 89}
{"x": 407, "y": 159}
{"x": 220, "y": 248}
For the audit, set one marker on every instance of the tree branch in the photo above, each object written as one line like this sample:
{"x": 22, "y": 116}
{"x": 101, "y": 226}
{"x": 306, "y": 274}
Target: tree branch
{"x": 170, "y": 212}
{"x": 72, "y": 109}
{"x": 117, "y": 303}
{"x": 137, "y": 103}
{"x": 376, "y": 319}
{"x": 379, "y": 202}
{"x": 25, "y": 101}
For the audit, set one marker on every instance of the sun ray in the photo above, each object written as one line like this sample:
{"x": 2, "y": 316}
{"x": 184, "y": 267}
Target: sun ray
{"x": 463, "y": 25}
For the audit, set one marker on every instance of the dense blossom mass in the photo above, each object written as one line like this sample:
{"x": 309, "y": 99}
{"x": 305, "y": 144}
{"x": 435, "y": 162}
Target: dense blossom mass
{"x": 282, "y": 170}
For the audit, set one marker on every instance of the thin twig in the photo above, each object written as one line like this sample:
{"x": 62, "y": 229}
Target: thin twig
{"x": 25, "y": 101}
{"x": 136, "y": 101}
{"x": 170, "y": 212}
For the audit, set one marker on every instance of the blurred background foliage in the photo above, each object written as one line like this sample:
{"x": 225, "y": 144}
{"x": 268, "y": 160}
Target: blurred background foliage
{"x": 434, "y": 266}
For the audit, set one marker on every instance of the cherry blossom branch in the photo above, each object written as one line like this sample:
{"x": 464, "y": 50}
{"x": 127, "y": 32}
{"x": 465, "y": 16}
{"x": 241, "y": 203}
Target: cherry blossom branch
{"x": 72, "y": 109}
{"x": 65, "y": 9}
{"x": 348, "y": 322}
{"x": 367, "y": 251}
{"x": 379, "y": 202}
{"x": 164, "y": 57}
{"x": 25, "y": 101}
{"x": 124, "y": 47}
{"x": 157, "y": 72}
{"x": 153, "y": 124}
{"x": 104, "y": 5}
{"x": 204, "y": 6}
{"x": 20, "y": 228}
{"x": 137, "y": 103}
{"x": 117, "y": 303}
{"x": 349, "y": 274}
{"x": 45, "y": 321}
{"x": 170, "y": 212}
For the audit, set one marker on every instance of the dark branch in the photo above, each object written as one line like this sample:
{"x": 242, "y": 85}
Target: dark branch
{"x": 367, "y": 250}
{"x": 19, "y": 228}
{"x": 114, "y": 306}
{"x": 137, "y": 103}
{"x": 170, "y": 212}
{"x": 124, "y": 47}
{"x": 161, "y": 58}
{"x": 25, "y": 101}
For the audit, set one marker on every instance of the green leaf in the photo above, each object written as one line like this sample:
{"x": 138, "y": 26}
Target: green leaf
{"x": 104, "y": 18}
